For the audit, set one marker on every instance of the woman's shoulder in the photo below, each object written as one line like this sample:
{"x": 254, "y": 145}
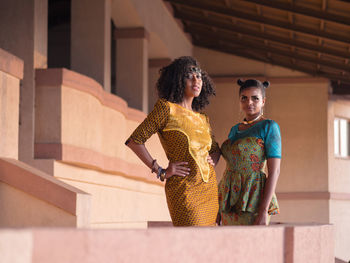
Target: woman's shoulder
{"x": 162, "y": 101}
{"x": 270, "y": 128}
{"x": 233, "y": 132}
{"x": 161, "y": 104}
{"x": 272, "y": 124}
{"x": 269, "y": 123}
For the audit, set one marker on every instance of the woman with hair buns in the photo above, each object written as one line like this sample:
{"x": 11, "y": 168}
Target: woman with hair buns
{"x": 246, "y": 193}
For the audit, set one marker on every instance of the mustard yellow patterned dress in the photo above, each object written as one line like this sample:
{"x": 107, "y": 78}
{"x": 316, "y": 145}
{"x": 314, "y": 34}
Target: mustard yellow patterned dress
{"x": 185, "y": 136}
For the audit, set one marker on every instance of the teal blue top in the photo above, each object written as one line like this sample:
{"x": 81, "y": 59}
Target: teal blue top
{"x": 267, "y": 130}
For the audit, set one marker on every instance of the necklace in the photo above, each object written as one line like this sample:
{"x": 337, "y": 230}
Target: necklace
{"x": 251, "y": 121}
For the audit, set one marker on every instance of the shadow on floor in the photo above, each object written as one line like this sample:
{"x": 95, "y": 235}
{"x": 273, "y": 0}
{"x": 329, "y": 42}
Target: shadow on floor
{"x": 337, "y": 260}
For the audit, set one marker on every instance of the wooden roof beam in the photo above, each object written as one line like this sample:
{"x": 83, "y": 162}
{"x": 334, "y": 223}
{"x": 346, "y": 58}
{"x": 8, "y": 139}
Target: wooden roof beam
{"x": 301, "y": 10}
{"x": 259, "y": 34}
{"x": 222, "y": 10}
{"x": 342, "y": 88}
{"x": 256, "y": 46}
{"x": 273, "y": 61}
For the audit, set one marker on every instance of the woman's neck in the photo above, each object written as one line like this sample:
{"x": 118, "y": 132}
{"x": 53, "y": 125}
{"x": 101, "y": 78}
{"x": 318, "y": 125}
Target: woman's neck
{"x": 187, "y": 103}
{"x": 252, "y": 118}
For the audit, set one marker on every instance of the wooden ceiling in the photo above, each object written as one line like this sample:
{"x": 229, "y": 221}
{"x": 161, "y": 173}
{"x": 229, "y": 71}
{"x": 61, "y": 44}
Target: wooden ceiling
{"x": 311, "y": 36}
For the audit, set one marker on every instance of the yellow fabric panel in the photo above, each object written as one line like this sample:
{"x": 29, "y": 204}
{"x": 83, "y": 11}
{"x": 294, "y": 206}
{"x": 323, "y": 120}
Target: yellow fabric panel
{"x": 196, "y": 128}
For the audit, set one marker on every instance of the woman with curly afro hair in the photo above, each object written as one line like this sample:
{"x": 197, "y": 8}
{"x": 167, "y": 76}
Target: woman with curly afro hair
{"x": 190, "y": 187}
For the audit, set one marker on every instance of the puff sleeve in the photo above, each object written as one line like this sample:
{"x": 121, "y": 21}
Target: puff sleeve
{"x": 273, "y": 145}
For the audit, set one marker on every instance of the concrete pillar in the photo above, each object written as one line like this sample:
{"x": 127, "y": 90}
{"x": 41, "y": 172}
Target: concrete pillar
{"x": 23, "y": 32}
{"x": 91, "y": 39}
{"x": 153, "y": 74}
{"x": 132, "y": 67}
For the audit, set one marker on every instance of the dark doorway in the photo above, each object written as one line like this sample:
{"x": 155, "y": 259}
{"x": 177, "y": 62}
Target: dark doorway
{"x": 59, "y": 30}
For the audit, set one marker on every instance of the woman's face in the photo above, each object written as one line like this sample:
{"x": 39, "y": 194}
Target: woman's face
{"x": 251, "y": 101}
{"x": 193, "y": 82}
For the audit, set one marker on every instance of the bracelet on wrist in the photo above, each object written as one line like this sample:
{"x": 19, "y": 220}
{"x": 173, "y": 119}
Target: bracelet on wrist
{"x": 159, "y": 172}
{"x": 162, "y": 175}
{"x": 153, "y": 167}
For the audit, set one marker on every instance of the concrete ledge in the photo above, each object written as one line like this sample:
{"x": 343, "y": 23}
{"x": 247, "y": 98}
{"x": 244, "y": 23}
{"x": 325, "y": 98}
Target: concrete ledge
{"x": 273, "y": 244}
{"x": 11, "y": 64}
{"x": 93, "y": 160}
{"x": 56, "y": 140}
{"x": 44, "y": 187}
{"x": 313, "y": 196}
{"x": 59, "y": 77}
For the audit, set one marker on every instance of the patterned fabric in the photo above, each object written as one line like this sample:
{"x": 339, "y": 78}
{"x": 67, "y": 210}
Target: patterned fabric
{"x": 185, "y": 136}
{"x": 242, "y": 185}
{"x": 241, "y": 218}
{"x": 192, "y": 125}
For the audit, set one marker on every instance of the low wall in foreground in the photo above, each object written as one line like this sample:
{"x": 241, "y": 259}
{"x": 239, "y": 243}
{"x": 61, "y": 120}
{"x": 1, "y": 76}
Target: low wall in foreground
{"x": 274, "y": 244}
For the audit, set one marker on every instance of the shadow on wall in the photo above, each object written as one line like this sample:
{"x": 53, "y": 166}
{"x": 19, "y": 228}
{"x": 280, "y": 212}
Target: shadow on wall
{"x": 337, "y": 260}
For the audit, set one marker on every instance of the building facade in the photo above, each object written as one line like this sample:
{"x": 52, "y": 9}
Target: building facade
{"x": 78, "y": 76}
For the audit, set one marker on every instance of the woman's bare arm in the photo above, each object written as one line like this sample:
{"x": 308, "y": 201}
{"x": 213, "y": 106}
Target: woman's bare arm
{"x": 141, "y": 151}
{"x": 273, "y": 167}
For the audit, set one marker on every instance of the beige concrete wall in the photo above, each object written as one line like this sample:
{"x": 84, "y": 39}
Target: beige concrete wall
{"x": 84, "y": 128}
{"x": 340, "y": 218}
{"x": 23, "y": 33}
{"x": 167, "y": 39}
{"x": 132, "y": 71}
{"x": 9, "y": 115}
{"x": 116, "y": 201}
{"x": 289, "y": 244}
{"x": 11, "y": 73}
{"x": 223, "y": 64}
{"x": 301, "y": 111}
{"x": 19, "y": 209}
{"x": 339, "y": 181}
{"x": 84, "y": 116}
{"x": 29, "y": 197}
{"x": 91, "y": 39}
{"x": 301, "y": 211}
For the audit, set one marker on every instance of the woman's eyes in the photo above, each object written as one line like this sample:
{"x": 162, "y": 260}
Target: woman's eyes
{"x": 253, "y": 98}
{"x": 191, "y": 76}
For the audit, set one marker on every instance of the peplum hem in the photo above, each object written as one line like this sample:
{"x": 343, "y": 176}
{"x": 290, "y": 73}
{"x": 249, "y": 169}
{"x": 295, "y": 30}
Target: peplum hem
{"x": 243, "y": 193}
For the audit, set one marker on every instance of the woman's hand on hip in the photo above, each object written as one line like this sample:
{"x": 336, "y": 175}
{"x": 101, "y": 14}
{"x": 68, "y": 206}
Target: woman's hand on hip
{"x": 177, "y": 168}
{"x": 210, "y": 160}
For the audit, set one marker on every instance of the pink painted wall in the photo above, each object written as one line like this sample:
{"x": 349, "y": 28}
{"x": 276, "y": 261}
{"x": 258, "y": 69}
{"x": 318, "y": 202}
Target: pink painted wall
{"x": 274, "y": 244}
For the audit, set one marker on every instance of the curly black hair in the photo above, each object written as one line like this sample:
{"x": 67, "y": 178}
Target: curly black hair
{"x": 172, "y": 82}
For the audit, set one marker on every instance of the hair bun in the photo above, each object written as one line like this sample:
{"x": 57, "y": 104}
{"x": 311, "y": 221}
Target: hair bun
{"x": 240, "y": 82}
{"x": 266, "y": 84}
